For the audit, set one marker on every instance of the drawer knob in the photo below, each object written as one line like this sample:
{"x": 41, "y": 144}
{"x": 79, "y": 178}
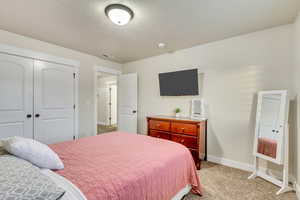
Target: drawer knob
{"x": 182, "y": 140}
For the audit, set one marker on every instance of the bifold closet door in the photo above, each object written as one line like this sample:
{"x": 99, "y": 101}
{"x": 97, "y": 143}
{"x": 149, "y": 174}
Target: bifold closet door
{"x": 53, "y": 102}
{"x": 16, "y": 96}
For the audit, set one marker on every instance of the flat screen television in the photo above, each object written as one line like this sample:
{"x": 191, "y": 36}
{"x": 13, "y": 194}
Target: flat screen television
{"x": 179, "y": 83}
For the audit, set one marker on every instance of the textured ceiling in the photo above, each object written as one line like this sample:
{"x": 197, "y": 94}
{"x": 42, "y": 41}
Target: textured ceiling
{"x": 82, "y": 24}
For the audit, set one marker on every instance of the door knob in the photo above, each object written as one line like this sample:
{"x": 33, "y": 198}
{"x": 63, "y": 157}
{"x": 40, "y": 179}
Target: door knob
{"x": 134, "y": 111}
{"x": 37, "y": 115}
{"x": 29, "y": 116}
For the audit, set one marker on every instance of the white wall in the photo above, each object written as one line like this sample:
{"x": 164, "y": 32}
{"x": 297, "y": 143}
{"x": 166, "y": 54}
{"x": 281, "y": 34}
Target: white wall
{"x": 234, "y": 71}
{"x": 86, "y": 76}
{"x": 296, "y": 84}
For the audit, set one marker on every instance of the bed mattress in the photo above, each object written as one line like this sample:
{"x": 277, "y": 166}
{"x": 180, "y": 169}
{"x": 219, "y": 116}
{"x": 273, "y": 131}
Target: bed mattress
{"x": 122, "y": 166}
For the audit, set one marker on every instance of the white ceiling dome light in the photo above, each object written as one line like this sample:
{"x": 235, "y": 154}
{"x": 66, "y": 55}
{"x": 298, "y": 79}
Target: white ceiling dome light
{"x": 119, "y": 14}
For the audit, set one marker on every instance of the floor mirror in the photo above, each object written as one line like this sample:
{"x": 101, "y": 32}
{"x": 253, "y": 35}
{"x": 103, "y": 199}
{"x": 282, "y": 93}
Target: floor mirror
{"x": 271, "y": 140}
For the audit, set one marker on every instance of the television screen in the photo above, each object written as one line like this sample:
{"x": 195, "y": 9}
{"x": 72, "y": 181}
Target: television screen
{"x": 180, "y": 83}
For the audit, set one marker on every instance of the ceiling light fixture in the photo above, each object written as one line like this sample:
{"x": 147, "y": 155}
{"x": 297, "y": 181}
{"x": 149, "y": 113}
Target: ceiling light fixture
{"x": 119, "y": 14}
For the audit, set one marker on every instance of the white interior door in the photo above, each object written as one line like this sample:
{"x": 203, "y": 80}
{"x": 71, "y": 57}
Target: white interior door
{"x": 54, "y": 102}
{"x": 113, "y": 105}
{"x": 127, "y": 103}
{"x": 16, "y": 96}
{"x": 103, "y": 94}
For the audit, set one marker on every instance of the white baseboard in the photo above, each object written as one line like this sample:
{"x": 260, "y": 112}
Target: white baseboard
{"x": 230, "y": 163}
{"x": 249, "y": 168}
{"x": 297, "y": 188}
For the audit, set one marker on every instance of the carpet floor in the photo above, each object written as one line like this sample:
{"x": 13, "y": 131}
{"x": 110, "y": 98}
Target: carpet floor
{"x": 225, "y": 183}
{"x": 106, "y": 129}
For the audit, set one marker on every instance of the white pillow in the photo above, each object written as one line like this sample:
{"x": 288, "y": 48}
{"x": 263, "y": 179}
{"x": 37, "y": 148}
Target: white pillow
{"x": 33, "y": 151}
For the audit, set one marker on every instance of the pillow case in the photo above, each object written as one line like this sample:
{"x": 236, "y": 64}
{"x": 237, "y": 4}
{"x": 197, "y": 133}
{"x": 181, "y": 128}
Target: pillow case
{"x": 19, "y": 179}
{"x": 33, "y": 151}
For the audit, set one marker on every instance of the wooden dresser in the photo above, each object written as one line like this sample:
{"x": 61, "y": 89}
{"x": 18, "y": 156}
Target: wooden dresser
{"x": 191, "y": 133}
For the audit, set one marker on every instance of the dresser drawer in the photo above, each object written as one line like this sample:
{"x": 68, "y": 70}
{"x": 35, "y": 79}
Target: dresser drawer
{"x": 159, "y": 125}
{"x": 187, "y": 141}
{"x": 160, "y": 134}
{"x": 188, "y": 129}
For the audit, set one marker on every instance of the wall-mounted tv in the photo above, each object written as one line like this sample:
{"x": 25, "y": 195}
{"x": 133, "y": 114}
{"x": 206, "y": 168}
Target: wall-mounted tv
{"x": 179, "y": 83}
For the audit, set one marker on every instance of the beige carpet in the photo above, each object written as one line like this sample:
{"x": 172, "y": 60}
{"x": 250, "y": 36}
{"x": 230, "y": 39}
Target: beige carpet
{"x": 106, "y": 129}
{"x": 225, "y": 183}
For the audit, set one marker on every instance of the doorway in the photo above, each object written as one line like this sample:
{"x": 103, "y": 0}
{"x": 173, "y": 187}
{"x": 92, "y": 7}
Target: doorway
{"x": 106, "y": 102}
{"x": 123, "y": 108}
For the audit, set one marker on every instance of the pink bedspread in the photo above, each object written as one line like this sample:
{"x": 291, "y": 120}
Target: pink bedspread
{"x": 122, "y": 166}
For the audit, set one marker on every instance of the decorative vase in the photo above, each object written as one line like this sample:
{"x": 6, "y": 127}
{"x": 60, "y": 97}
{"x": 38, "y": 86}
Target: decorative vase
{"x": 177, "y": 115}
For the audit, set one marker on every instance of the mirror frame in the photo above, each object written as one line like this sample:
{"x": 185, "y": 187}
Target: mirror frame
{"x": 283, "y": 116}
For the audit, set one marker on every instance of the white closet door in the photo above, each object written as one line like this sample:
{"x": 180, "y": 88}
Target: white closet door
{"x": 127, "y": 102}
{"x": 16, "y": 96}
{"x": 54, "y": 102}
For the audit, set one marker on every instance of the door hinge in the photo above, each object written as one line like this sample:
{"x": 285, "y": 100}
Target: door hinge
{"x": 74, "y": 137}
{"x": 74, "y": 75}
{"x": 74, "y": 106}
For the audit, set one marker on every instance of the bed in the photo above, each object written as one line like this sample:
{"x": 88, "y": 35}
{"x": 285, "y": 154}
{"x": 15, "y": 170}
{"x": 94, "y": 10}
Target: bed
{"x": 123, "y": 166}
